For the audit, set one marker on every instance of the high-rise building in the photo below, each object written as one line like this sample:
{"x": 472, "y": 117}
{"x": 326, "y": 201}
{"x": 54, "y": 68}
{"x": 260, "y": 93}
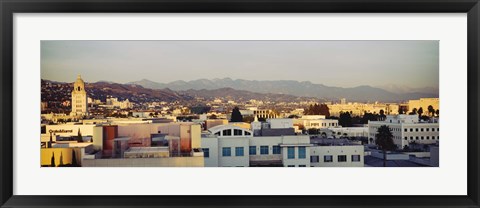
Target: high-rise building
{"x": 79, "y": 98}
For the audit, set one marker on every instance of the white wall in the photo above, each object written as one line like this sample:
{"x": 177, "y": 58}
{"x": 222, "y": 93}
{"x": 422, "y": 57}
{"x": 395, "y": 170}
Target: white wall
{"x": 334, "y": 151}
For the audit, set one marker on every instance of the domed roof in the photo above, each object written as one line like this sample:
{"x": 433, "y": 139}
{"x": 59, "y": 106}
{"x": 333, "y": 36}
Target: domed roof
{"x": 79, "y": 80}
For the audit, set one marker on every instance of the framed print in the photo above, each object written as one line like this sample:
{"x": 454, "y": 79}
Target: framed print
{"x": 248, "y": 104}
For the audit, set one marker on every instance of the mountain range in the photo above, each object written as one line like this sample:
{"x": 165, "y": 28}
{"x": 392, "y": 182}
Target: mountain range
{"x": 363, "y": 93}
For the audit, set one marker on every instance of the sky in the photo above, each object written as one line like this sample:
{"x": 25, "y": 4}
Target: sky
{"x": 413, "y": 64}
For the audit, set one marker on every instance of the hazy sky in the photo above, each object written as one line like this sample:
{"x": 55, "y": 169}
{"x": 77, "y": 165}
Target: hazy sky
{"x": 333, "y": 63}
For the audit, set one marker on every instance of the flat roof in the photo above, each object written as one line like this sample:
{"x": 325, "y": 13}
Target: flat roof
{"x": 146, "y": 149}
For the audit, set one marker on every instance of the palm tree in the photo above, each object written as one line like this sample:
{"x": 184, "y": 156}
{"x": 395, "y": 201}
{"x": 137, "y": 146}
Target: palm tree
{"x": 384, "y": 140}
{"x": 52, "y": 161}
{"x": 431, "y": 111}
{"x": 420, "y": 112}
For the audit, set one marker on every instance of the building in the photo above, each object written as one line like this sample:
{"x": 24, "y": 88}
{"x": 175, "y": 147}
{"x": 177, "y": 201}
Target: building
{"x": 407, "y": 129}
{"x": 316, "y": 122}
{"x": 79, "y": 98}
{"x": 423, "y": 103}
{"x": 332, "y": 153}
{"x": 233, "y": 146}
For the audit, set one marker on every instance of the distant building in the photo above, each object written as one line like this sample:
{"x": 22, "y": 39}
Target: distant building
{"x": 79, "y": 98}
{"x": 423, "y": 103}
{"x": 316, "y": 122}
{"x": 407, "y": 129}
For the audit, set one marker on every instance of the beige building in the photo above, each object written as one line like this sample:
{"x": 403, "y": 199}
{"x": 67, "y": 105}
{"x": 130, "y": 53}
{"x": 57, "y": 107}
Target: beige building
{"x": 79, "y": 98}
{"x": 423, "y": 103}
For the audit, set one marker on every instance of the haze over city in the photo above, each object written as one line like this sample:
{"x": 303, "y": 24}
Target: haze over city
{"x": 412, "y": 64}
{"x": 239, "y": 104}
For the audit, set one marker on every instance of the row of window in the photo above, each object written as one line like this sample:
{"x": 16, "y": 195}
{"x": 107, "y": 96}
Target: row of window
{"x": 227, "y": 151}
{"x": 329, "y": 158}
{"x": 264, "y": 150}
{"x": 422, "y": 129}
{"x": 323, "y": 124}
{"x": 422, "y": 137}
{"x": 236, "y": 132}
{"x": 302, "y": 152}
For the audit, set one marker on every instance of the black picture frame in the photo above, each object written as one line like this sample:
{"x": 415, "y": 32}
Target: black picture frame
{"x": 10, "y": 7}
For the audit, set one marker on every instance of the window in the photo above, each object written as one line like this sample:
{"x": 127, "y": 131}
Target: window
{"x": 411, "y": 130}
{"x": 421, "y": 129}
{"x": 218, "y": 133}
{"x": 438, "y": 129}
{"x": 291, "y": 166}
{"x": 237, "y": 132}
{"x": 342, "y": 158}
{"x": 276, "y": 150}
{"x": 411, "y": 138}
{"x": 252, "y": 150}
{"x": 433, "y": 129}
{"x": 264, "y": 150}
{"x": 302, "y": 152}
{"x": 206, "y": 152}
{"x": 238, "y": 151}
{"x": 247, "y": 133}
{"x": 416, "y": 138}
{"x": 291, "y": 152}
{"x": 428, "y": 137}
{"x": 302, "y": 166}
{"x": 227, "y": 132}
{"x": 416, "y": 129}
{"x": 428, "y": 129}
{"x": 421, "y": 137}
{"x": 314, "y": 159}
{"x": 355, "y": 158}
{"x": 328, "y": 158}
{"x": 406, "y": 138}
{"x": 406, "y": 130}
{"x": 226, "y": 151}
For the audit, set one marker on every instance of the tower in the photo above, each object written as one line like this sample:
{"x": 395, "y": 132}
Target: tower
{"x": 79, "y": 98}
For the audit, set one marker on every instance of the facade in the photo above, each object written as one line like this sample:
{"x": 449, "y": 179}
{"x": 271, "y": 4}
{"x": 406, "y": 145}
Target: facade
{"x": 79, "y": 98}
{"x": 407, "y": 129}
{"x": 232, "y": 146}
{"x": 423, "y": 103}
{"x": 337, "y": 156}
{"x": 316, "y": 122}
{"x": 359, "y": 109}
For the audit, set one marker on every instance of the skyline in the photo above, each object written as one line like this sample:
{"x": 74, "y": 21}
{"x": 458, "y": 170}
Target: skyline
{"x": 408, "y": 63}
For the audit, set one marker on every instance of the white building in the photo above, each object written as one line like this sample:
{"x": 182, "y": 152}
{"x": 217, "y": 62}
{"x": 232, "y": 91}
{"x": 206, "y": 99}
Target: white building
{"x": 316, "y": 122}
{"x": 79, "y": 98}
{"x": 233, "y": 146}
{"x": 407, "y": 129}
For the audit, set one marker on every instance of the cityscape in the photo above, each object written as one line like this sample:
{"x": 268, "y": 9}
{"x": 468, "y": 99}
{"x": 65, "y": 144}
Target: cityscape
{"x": 188, "y": 110}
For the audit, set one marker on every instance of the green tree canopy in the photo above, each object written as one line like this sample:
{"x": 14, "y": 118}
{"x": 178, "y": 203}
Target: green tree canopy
{"x": 236, "y": 115}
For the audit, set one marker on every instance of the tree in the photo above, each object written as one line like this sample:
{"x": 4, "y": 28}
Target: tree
{"x": 317, "y": 109}
{"x": 420, "y": 112}
{"x": 345, "y": 119}
{"x": 79, "y": 136}
{"x": 382, "y": 115}
{"x": 324, "y": 135}
{"x": 437, "y": 112}
{"x": 401, "y": 110}
{"x": 414, "y": 111}
{"x": 431, "y": 110}
{"x": 74, "y": 159}
{"x": 236, "y": 115}
{"x": 384, "y": 140}
{"x": 52, "y": 161}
